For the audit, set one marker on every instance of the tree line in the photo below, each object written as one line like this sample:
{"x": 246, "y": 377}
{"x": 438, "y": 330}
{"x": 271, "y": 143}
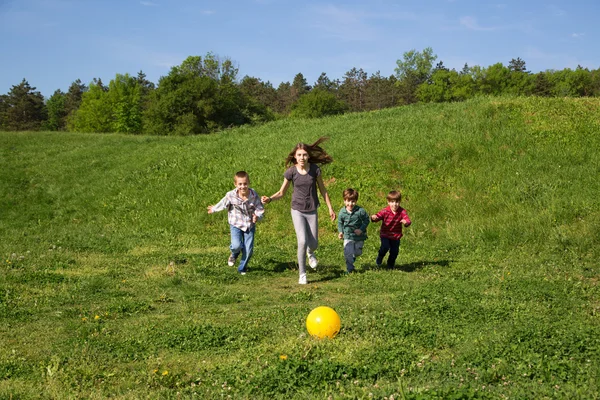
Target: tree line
{"x": 204, "y": 95}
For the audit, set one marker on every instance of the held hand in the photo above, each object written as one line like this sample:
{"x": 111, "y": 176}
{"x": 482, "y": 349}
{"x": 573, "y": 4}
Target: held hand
{"x": 265, "y": 199}
{"x": 357, "y": 232}
{"x": 210, "y": 209}
{"x": 254, "y": 218}
{"x": 332, "y": 214}
{"x": 373, "y": 217}
{"x": 340, "y": 235}
{"x": 404, "y": 222}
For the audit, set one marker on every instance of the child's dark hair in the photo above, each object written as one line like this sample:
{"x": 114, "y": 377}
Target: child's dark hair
{"x": 351, "y": 194}
{"x": 316, "y": 154}
{"x": 241, "y": 175}
{"x": 394, "y": 195}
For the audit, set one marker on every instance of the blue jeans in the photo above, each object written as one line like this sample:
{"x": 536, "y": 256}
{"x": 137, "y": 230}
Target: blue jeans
{"x": 391, "y": 245}
{"x": 242, "y": 242}
{"x": 352, "y": 249}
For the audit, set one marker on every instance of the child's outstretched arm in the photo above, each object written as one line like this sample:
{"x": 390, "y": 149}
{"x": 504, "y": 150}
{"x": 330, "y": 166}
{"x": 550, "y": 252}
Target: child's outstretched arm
{"x": 277, "y": 195}
{"x": 376, "y": 217}
{"x": 220, "y": 206}
{"x": 325, "y": 195}
{"x": 405, "y": 219}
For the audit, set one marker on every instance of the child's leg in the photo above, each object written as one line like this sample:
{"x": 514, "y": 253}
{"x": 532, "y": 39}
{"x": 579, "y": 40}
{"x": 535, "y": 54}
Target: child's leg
{"x": 349, "y": 252}
{"x": 237, "y": 240}
{"x": 394, "y": 250}
{"x": 247, "y": 249}
{"x": 312, "y": 240}
{"x": 358, "y": 248}
{"x": 383, "y": 249}
{"x": 304, "y": 236}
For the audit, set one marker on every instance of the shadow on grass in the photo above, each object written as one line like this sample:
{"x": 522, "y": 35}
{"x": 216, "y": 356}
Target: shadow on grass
{"x": 410, "y": 267}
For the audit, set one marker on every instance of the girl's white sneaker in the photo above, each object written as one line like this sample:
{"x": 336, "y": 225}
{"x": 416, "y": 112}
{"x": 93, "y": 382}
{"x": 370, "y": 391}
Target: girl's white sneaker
{"x": 302, "y": 280}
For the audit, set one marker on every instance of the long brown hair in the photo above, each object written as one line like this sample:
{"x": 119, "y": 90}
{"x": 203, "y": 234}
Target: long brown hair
{"x": 316, "y": 154}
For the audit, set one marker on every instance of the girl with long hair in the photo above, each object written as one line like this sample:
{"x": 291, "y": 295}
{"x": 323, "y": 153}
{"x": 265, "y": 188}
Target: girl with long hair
{"x": 304, "y": 173}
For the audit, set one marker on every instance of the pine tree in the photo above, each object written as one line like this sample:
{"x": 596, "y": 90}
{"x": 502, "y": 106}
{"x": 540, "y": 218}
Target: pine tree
{"x": 24, "y": 108}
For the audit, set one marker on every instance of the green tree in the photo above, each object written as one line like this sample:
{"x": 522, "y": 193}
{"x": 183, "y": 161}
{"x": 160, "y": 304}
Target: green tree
{"x": 353, "y": 88}
{"x": 324, "y": 83}
{"x": 517, "y": 65}
{"x": 94, "y": 114}
{"x": 125, "y": 99}
{"x": 261, "y": 99}
{"x": 3, "y": 111}
{"x": 415, "y": 69}
{"x": 440, "y": 86}
{"x": 493, "y": 80}
{"x": 198, "y": 96}
{"x": 299, "y": 87}
{"x": 284, "y": 98}
{"x": 57, "y": 115}
{"x": 541, "y": 85}
{"x": 146, "y": 87}
{"x": 521, "y": 82}
{"x": 23, "y": 108}
{"x": 316, "y": 104}
{"x": 73, "y": 97}
{"x": 380, "y": 92}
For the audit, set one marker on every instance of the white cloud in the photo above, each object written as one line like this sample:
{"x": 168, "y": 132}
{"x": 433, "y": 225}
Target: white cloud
{"x": 148, "y": 4}
{"x": 577, "y": 35}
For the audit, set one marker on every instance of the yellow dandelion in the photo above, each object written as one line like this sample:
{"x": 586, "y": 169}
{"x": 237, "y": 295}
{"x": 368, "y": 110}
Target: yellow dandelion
{"x": 283, "y": 357}
{"x": 84, "y": 319}
{"x": 165, "y": 373}
{"x": 155, "y": 371}
{"x": 97, "y": 317}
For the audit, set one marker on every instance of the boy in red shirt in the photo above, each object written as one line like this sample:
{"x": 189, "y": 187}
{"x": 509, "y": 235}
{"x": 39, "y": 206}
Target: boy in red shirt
{"x": 393, "y": 217}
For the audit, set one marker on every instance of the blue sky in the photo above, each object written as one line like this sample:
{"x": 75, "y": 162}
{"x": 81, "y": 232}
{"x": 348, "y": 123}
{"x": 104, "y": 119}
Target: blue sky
{"x": 51, "y": 43}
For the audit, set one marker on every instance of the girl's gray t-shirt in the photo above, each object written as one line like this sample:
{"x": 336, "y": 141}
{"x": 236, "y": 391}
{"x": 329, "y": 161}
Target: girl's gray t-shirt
{"x": 304, "y": 197}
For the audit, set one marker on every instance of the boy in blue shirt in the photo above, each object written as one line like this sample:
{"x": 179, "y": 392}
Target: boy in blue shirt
{"x": 352, "y": 227}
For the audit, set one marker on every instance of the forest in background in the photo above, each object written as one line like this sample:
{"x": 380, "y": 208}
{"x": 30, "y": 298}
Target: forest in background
{"x": 205, "y": 94}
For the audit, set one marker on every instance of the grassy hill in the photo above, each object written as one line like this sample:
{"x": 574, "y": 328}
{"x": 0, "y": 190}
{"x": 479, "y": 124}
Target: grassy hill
{"x": 114, "y": 280}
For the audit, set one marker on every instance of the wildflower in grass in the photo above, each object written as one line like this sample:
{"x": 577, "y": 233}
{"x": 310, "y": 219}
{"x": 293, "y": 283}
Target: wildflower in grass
{"x": 97, "y": 317}
{"x": 283, "y": 357}
{"x": 155, "y": 371}
{"x": 84, "y": 319}
{"x": 165, "y": 373}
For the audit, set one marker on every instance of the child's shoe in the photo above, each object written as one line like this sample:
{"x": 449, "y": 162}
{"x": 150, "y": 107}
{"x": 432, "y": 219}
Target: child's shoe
{"x": 231, "y": 260}
{"x": 312, "y": 260}
{"x": 302, "y": 280}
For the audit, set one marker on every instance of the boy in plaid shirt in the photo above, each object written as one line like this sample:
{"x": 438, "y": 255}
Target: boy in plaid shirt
{"x": 244, "y": 209}
{"x": 393, "y": 217}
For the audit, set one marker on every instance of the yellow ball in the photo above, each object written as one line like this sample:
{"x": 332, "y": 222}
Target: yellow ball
{"x": 323, "y": 322}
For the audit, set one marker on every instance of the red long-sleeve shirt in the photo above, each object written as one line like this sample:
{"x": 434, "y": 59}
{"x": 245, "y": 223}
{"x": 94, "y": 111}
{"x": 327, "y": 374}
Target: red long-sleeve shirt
{"x": 391, "y": 227}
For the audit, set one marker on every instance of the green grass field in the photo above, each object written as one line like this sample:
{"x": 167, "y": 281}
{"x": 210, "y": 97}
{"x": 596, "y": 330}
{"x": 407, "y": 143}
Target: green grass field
{"x": 114, "y": 281}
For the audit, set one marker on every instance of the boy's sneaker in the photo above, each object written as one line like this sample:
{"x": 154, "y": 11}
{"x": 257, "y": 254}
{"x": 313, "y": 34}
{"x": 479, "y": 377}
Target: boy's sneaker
{"x": 302, "y": 280}
{"x": 242, "y": 273}
{"x": 231, "y": 260}
{"x": 312, "y": 260}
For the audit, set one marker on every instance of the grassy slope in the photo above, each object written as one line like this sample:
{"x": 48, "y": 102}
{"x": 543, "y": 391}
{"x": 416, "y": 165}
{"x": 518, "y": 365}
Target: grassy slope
{"x": 496, "y": 291}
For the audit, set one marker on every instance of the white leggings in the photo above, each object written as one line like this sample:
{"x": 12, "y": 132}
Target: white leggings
{"x": 306, "y": 225}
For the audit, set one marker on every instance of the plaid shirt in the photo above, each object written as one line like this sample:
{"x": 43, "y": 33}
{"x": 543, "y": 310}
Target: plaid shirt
{"x": 240, "y": 211}
{"x": 391, "y": 227}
